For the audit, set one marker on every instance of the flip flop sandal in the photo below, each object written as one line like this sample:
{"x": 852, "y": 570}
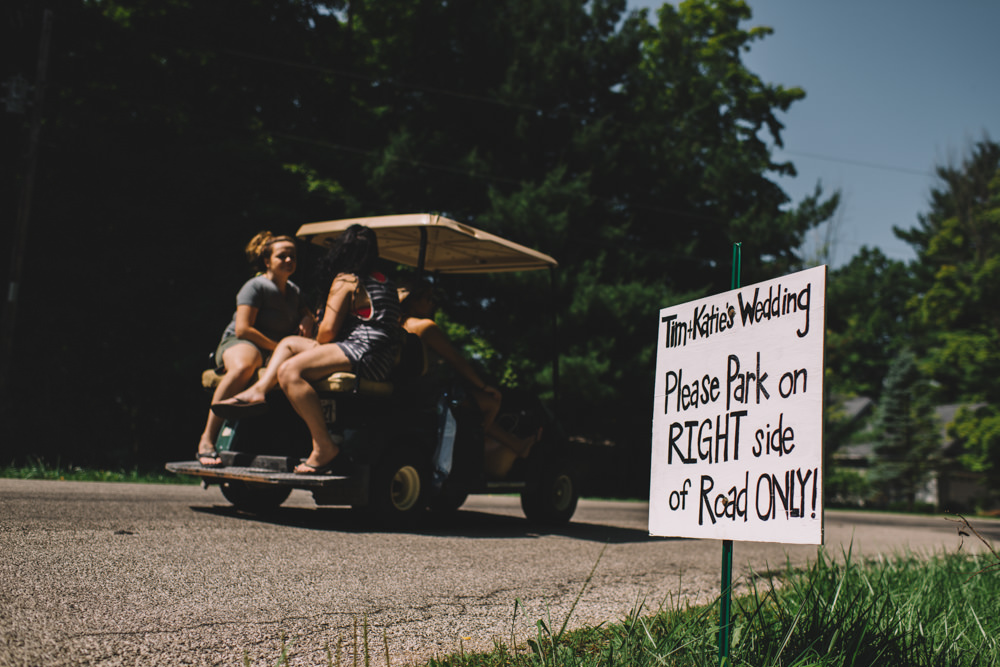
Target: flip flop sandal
{"x": 324, "y": 469}
{"x": 237, "y": 408}
{"x": 209, "y": 455}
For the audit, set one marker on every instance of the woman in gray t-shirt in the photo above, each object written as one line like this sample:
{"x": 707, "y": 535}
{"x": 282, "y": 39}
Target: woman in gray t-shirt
{"x": 268, "y": 308}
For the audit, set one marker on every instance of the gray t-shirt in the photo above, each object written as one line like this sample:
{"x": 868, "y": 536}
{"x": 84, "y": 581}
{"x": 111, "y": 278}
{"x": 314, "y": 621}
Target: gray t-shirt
{"x": 278, "y": 315}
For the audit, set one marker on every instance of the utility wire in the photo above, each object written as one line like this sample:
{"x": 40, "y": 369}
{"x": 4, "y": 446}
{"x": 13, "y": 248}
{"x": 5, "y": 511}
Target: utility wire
{"x": 859, "y": 163}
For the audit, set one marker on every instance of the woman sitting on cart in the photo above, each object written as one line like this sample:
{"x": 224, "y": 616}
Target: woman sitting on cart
{"x": 268, "y": 308}
{"x": 359, "y": 332}
{"x": 502, "y": 447}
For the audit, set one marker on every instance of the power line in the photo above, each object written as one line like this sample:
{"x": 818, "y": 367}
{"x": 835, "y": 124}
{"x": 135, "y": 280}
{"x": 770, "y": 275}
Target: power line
{"x": 859, "y": 163}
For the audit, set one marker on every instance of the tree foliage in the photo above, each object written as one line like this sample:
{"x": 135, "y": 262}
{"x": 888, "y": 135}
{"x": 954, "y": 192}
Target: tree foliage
{"x": 943, "y": 306}
{"x": 867, "y": 320}
{"x": 909, "y": 440}
{"x": 633, "y": 150}
{"x": 959, "y": 311}
{"x": 960, "y": 242}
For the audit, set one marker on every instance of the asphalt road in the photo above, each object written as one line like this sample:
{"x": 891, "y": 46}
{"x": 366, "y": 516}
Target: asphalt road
{"x": 128, "y": 574}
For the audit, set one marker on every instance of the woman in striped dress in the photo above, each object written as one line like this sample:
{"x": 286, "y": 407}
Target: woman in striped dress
{"x": 359, "y": 332}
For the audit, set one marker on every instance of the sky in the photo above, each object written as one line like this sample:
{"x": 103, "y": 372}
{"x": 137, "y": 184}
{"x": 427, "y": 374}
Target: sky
{"x": 893, "y": 88}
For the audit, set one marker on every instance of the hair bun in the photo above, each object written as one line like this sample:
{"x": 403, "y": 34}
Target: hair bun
{"x": 257, "y": 244}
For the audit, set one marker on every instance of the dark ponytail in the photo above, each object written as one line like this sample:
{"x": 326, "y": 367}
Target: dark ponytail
{"x": 354, "y": 251}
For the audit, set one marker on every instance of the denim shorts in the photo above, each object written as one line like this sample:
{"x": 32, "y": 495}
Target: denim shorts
{"x": 230, "y": 340}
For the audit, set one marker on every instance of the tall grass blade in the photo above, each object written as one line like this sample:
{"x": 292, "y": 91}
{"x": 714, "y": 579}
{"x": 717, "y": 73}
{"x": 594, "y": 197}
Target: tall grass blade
{"x": 355, "y": 641}
{"x": 579, "y": 595}
{"x": 513, "y": 639}
{"x": 367, "y": 653}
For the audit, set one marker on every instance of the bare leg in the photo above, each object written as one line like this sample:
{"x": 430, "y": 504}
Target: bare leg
{"x": 498, "y": 459}
{"x": 241, "y": 362}
{"x": 502, "y": 446}
{"x": 295, "y": 376}
{"x": 287, "y": 348}
{"x": 520, "y": 446}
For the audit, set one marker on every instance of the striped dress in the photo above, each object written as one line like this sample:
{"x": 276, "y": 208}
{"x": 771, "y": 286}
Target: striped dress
{"x": 372, "y": 335}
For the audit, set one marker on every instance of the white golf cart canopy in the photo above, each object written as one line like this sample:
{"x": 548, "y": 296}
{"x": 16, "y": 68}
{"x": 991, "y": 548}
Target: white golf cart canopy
{"x": 435, "y": 244}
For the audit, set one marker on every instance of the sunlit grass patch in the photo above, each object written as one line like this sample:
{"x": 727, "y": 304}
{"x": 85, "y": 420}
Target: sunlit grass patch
{"x": 900, "y": 610}
{"x": 39, "y": 469}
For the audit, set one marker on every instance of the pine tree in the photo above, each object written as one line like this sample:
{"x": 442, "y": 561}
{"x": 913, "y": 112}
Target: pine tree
{"x": 908, "y": 438}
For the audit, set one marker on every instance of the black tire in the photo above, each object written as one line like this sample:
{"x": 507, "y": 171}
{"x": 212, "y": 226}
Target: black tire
{"x": 552, "y": 499}
{"x": 255, "y": 498}
{"x": 447, "y": 502}
{"x": 397, "y": 490}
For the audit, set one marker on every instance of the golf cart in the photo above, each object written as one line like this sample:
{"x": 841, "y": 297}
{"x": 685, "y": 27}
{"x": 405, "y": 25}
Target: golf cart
{"x": 405, "y": 449}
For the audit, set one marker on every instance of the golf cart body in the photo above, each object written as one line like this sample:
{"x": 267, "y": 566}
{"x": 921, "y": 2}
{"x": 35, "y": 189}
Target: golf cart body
{"x": 405, "y": 448}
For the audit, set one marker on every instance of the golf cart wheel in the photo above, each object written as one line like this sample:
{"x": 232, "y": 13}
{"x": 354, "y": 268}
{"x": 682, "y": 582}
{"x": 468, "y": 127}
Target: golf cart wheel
{"x": 447, "y": 501}
{"x": 255, "y": 498}
{"x": 552, "y": 500}
{"x": 396, "y": 494}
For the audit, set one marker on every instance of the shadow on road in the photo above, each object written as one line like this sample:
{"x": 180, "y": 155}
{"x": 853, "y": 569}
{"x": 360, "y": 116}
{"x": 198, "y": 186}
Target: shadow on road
{"x": 462, "y": 523}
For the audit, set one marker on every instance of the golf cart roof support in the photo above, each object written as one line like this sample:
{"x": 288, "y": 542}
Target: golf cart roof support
{"x": 422, "y": 259}
{"x": 555, "y": 338}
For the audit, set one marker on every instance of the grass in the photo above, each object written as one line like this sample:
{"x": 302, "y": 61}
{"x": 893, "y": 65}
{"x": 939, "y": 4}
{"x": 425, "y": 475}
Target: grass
{"x": 905, "y": 609}
{"x": 39, "y": 469}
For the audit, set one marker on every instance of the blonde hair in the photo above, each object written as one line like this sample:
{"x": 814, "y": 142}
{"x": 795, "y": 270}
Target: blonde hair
{"x": 260, "y": 247}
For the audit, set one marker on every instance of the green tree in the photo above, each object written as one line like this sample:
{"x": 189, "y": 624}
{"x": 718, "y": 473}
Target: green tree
{"x": 662, "y": 167}
{"x": 635, "y": 152}
{"x": 908, "y": 438}
{"x": 867, "y": 320}
{"x": 961, "y": 305}
{"x": 958, "y": 309}
{"x": 977, "y": 428}
{"x": 955, "y": 231}
{"x": 152, "y": 174}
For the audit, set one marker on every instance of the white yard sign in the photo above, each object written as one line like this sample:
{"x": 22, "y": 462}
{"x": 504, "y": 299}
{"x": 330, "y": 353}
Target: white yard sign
{"x": 738, "y": 414}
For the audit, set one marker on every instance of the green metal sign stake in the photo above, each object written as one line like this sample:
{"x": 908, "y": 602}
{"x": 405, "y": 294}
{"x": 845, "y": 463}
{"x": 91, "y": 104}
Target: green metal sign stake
{"x": 724, "y": 604}
{"x": 727, "y": 545}
{"x": 737, "y": 247}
